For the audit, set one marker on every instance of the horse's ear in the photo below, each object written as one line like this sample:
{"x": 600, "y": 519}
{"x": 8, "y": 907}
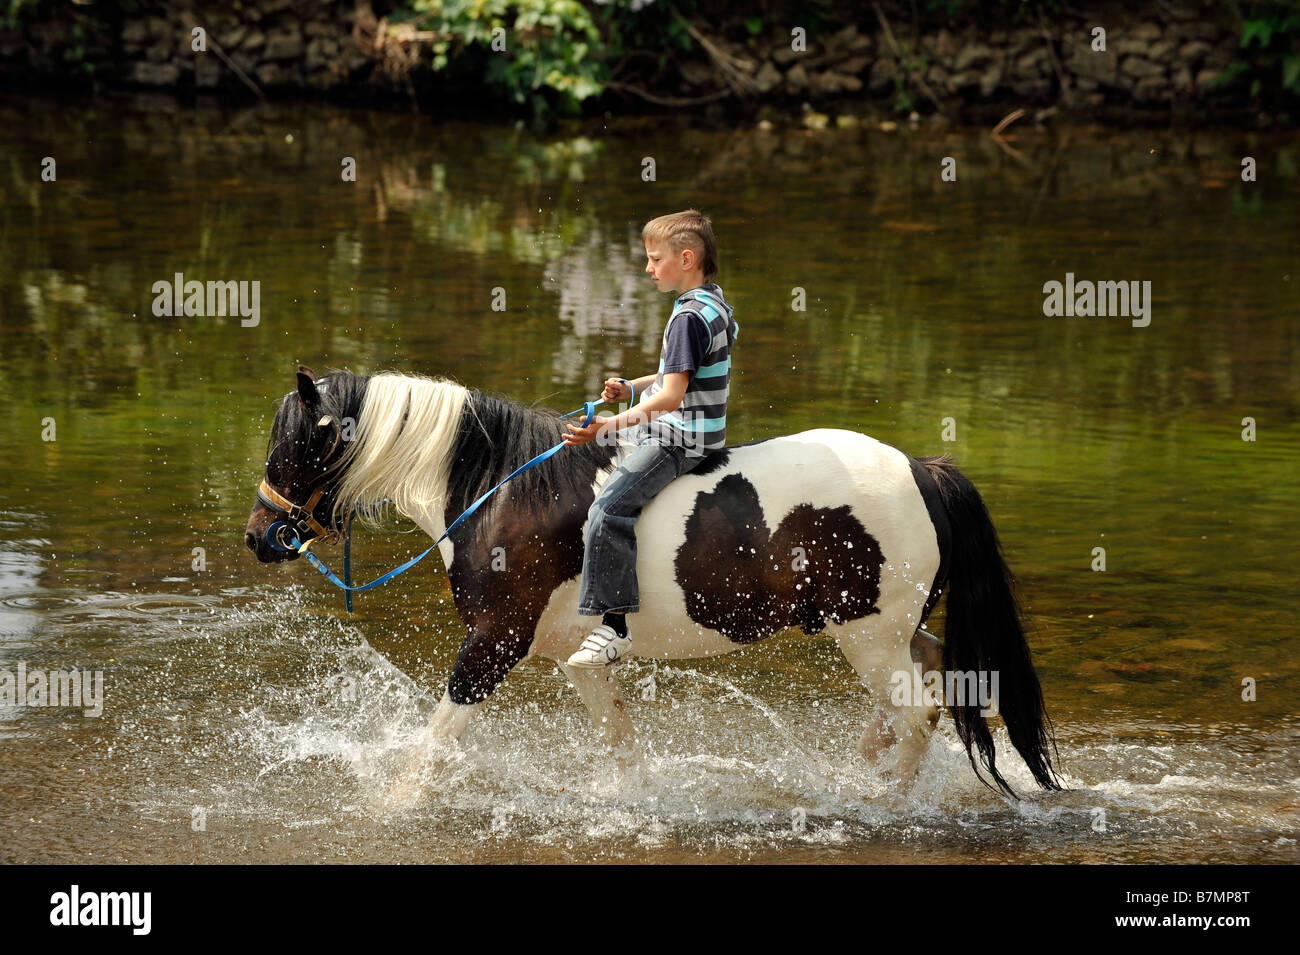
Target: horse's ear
{"x": 307, "y": 387}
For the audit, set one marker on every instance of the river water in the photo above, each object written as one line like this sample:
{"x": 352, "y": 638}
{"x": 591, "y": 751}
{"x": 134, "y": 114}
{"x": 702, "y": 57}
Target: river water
{"x": 246, "y": 717}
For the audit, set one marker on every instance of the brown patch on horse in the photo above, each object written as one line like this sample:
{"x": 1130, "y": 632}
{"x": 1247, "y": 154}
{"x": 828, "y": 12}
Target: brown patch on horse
{"x": 513, "y": 553}
{"x": 747, "y": 582}
{"x": 501, "y": 582}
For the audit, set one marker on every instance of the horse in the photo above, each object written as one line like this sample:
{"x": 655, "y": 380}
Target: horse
{"x": 828, "y": 531}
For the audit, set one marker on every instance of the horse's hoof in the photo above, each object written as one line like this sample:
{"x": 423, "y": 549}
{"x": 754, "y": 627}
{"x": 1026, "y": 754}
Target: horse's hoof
{"x": 403, "y": 794}
{"x": 409, "y": 785}
{"x": 627, "y": 761}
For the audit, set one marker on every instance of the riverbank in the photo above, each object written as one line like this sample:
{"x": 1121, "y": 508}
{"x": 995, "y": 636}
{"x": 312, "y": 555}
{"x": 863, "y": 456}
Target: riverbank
{"x": 1147, "y": 66}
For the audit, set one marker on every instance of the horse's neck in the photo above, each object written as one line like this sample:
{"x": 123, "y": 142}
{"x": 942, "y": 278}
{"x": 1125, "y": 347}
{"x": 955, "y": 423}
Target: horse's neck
{"x": 514, "y": 434}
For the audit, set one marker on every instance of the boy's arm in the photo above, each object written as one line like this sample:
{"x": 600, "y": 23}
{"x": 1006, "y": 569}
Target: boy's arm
{"x": 685, "y": 346}
{"x": 670, "y": 399}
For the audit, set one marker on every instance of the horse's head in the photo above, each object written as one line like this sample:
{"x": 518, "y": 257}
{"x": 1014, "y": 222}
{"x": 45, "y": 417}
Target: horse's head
{"x": 303, "y": 465}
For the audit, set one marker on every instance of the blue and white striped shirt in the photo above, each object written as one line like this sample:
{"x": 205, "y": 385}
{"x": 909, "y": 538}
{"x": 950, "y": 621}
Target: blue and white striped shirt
{"x": 698, "y": 338}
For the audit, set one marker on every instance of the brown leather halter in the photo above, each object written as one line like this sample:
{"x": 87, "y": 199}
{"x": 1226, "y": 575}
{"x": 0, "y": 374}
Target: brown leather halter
{"x": 298, "y": 518}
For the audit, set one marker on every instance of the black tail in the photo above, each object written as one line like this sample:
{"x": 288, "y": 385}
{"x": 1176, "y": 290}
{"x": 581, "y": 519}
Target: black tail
{"x": 983, "y": 634}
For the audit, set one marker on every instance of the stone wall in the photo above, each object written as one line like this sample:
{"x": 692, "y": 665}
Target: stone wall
{"x": 277, "y": 44}
{"x": 1145, "y": 64}
{"x": 1155, "y": 58}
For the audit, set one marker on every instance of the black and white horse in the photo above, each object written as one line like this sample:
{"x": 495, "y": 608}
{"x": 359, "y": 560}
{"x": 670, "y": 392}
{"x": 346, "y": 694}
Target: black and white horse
{"x": 827, "y": 531}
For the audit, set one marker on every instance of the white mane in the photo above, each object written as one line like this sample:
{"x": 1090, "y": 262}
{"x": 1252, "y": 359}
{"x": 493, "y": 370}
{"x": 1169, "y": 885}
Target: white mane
{"x": 403, "y": 444}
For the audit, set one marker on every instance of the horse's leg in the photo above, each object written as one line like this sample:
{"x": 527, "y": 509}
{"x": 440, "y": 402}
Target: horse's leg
{"x": 602, "y": 694}
{"x": 443, "y": 730}
{"x": 450, "y": 719}
{"x": 879, "y": 650}
{"x": 489, "y": 652}
{"x": 927, "y": 651}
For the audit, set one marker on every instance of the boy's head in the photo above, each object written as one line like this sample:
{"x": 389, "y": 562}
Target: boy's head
{"x": 680, "y": 248}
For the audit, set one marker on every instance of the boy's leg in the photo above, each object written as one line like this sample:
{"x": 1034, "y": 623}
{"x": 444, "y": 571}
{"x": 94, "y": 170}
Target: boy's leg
{"x": 609, "y": 582}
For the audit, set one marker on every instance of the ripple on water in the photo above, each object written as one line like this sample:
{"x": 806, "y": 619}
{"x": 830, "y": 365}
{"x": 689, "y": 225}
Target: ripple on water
{"x": 67, "y": 606}
{"x": 47, "y": 601}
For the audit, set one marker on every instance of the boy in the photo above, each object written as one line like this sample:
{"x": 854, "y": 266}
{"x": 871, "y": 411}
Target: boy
{"x": 681, "y": 416}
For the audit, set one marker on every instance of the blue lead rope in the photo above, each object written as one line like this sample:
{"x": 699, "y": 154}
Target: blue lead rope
{"x": 346, "y": 584}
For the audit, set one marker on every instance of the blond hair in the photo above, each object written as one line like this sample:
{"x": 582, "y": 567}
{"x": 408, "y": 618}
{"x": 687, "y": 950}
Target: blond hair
{"x": 685, "y": 230}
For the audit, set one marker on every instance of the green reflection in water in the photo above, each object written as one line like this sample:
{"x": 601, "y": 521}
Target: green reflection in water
{"x": 924, "y": 303}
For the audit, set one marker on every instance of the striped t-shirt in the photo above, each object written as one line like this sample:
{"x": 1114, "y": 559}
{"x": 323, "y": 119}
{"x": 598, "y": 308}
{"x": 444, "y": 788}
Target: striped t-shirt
{"x": 698, "y": 339}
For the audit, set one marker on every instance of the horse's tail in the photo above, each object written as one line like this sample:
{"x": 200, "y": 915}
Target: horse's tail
{"x": 984, "y": 635}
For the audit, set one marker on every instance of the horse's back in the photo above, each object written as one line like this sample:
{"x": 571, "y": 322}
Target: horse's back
{"x": 826, "y": 456}
{"x": 824, "y": 467}
{"x": 796, "y": 530}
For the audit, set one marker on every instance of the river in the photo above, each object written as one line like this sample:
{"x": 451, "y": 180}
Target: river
{"x": 247, "y": 718}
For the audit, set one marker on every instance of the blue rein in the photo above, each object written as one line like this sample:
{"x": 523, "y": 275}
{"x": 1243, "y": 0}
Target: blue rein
{"x": 277, "y": 529}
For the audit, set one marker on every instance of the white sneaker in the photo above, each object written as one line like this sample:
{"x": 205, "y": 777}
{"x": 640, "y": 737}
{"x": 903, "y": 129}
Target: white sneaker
{"x": 603, "y": 647}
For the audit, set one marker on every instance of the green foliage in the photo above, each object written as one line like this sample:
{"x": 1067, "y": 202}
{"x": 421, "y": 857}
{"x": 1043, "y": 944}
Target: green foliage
{"x": 74, "y": 55}
{"x": 678, "y": 34}
{"x": 14, "y": 13}
{"x": 74, "y": 38}
{"x": 1263, "y": 28}
{"x": 912, "y": 64}
{"x": 1270, "y": 43}
{"x": 553, "y": 53}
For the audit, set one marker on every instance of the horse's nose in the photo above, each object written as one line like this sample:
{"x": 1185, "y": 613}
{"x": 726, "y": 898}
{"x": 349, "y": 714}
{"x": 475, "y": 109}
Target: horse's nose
{"x": 251, "y": 541}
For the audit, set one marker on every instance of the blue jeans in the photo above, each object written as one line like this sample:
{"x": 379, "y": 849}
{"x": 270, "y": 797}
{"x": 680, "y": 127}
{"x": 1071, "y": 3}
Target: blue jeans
{"x": 609, "y": 559}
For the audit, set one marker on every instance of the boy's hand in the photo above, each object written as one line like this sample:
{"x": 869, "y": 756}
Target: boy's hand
{"x": 579, "y": 435}
{"x": 616, "y": 390}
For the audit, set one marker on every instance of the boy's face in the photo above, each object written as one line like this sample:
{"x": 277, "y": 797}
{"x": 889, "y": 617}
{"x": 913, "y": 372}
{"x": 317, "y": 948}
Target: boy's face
{"x": 666, "y": 268}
